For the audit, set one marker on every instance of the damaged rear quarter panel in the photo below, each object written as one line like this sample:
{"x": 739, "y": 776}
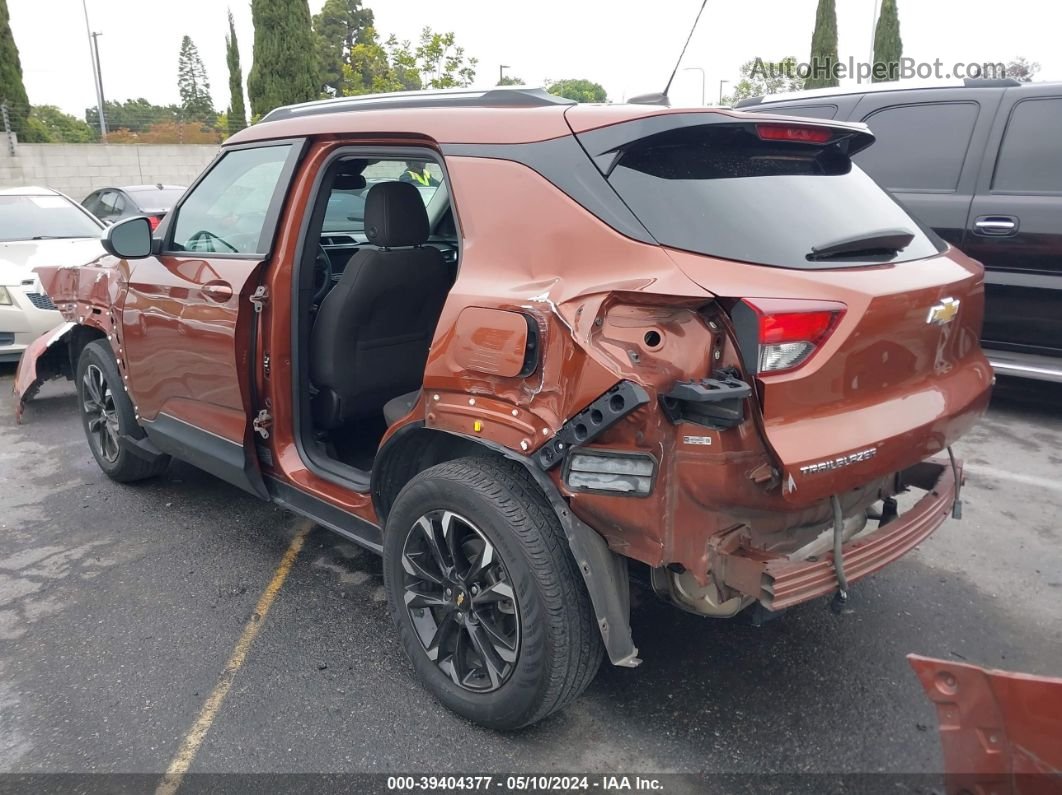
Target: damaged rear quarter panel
{"x": 592, "y": 293}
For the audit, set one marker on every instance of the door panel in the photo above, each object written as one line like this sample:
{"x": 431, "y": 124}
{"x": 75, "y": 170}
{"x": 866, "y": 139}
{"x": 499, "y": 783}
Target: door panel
{"x": 180, "y": 341}
{"x": 188, "y": 325}
{"x": 1015, "y": 222}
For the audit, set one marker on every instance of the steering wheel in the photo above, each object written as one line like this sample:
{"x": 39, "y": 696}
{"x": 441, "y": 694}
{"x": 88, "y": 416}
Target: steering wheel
{"x": 322, "y": 275}
{"x": 204, "y": 234}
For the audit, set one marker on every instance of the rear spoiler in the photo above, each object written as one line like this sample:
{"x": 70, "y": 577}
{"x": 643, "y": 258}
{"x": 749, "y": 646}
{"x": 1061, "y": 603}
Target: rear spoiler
{"x": 605, "y": 144}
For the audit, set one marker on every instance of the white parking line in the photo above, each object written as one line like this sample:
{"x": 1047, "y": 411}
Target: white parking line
{"x": 1014, "y": 477}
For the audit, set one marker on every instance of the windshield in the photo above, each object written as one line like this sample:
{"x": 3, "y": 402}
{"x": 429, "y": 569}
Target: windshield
{"x": 43, "y": 217}
{"x": 720, "y": 190}
{"x": 155, "y": 199}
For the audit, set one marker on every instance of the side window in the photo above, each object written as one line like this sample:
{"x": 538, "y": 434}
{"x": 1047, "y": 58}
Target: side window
{"x": 119, "y": 203}
{"x": 106, "y": 205}
{"x": 92, "y": 203}
{"x": 1028, "y": 159}
{"x": 227, "y": 211}
{"x": 919, "y": 147}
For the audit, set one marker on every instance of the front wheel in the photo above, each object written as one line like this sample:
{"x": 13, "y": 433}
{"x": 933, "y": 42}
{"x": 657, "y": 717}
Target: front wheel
{"x": 108, "y": 417}
{"x": 488, "y": 602}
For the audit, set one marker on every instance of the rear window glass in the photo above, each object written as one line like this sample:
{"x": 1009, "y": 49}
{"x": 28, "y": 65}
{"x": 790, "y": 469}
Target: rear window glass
{"x": 919, "y": 147}
{"x": 1029, "y": 161}
{"x": 720, "y": 190}
{"x": 156, "y": 199}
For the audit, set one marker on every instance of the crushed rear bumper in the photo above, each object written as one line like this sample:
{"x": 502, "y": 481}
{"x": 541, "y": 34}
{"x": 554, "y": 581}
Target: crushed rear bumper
{"x": 779, "y": 582}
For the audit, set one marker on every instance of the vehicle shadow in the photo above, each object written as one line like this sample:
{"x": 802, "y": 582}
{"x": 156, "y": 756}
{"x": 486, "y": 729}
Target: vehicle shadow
{"x": 1022, "y": 396}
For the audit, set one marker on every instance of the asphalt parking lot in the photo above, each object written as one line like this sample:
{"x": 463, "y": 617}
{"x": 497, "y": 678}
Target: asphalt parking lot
{"x": 120, "y": 605}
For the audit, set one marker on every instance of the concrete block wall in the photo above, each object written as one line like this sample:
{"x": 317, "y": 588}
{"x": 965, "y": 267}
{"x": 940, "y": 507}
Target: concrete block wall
{"x": 79, "y": 169}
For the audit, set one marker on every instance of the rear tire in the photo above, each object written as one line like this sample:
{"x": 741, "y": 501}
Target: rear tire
{"x": 108, "y": 417}
{"x": 526, "y": 608}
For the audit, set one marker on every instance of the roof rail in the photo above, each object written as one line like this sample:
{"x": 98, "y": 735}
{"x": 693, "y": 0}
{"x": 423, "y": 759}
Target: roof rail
{"x": 990, "y": 82}
{"x": 518, "y": 97}
{"x": 837, "y": 91}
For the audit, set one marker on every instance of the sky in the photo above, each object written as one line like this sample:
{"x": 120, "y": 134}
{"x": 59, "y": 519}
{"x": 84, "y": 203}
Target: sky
{"x": 629, "y": 47}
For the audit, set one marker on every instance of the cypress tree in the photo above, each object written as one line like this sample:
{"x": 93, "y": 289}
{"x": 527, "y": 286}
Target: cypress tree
{"x": 823, "y": 47}
{"x": 888, "y": 46}
{"x": 237, "y": 111}
{"x": 12, "y": 89}
{"x": 285, "y": 59}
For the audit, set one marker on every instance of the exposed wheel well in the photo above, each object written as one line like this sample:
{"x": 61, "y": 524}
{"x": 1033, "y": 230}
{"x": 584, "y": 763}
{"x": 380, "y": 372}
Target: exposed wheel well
{"x": 411, "y": 452}
{"x": 80, "y": 336}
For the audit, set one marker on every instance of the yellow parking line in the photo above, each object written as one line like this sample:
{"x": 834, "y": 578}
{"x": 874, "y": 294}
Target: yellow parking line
{"x": 195, "y": 736}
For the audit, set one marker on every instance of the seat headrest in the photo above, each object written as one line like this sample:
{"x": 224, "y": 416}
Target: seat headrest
{"x": 395, "y": 215}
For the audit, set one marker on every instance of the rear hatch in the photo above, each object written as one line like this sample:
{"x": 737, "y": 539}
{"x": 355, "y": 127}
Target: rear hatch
{"x": 858, "y": 325}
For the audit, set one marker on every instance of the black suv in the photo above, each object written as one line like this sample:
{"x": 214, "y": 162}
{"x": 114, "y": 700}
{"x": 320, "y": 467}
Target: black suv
{"x": 981, "y": 163}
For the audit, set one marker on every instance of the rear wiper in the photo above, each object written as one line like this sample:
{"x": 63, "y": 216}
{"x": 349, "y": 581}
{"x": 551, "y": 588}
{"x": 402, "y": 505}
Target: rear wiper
{"x": 883, "y": 243}
{"x": 55, "y": 237}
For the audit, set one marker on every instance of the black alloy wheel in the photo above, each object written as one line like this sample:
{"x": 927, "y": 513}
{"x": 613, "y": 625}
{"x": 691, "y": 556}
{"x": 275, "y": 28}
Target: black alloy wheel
{"x": 101, "y": 415}
{"x": 460, "y": 601}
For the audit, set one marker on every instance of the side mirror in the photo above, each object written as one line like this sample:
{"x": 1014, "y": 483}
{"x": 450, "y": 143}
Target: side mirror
{"x": 128, "y": 239}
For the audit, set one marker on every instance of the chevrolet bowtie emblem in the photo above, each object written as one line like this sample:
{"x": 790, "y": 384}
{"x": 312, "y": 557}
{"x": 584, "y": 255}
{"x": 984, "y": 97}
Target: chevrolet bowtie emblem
{"x": 460, "y": 599}
{"x": 943, "y": 313}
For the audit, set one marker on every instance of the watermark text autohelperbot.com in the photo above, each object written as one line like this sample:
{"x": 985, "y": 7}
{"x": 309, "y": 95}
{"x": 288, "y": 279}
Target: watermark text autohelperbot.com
{"x": 863, "y": 71}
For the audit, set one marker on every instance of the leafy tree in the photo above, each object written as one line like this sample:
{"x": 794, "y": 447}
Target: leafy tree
{"x": 375, "y": 68}
{"x": 823, "y": 47}
{"x": 579, "y": 90}
{"x": 340, "y": 25}
{"x": 888, "y": 46}
{"x": 442, "y": 64}
{"x": 436, "y": 62}
{"x": 285, "y": 63}
{"x": 135, "y": 115}
{"x": 1023, "y": 70}
{"x": 510, "y": 81}
{"x": 236, "y": 116}
{"x": 192, "y": 83}
{"x": 12, "y": 89}
{"x": 759, "y": 78}
{"x": 54, "y": 126}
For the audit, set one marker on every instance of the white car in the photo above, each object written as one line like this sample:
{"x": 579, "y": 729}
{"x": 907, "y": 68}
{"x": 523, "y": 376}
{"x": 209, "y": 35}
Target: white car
{"x": 38, "y": 226}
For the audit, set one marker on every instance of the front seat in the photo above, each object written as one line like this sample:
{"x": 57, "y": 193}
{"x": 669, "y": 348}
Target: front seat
{"x": 371, "y": 336}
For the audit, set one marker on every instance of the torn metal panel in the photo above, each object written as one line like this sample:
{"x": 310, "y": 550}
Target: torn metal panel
{"x": 1001, "y": 732}
{"x": 41, "y": 361}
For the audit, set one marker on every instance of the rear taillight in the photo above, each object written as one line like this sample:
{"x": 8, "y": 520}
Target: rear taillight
{"x": 154, "y": 221}
{"x": 790, "y": 331}
{"x": 797, "y": 133}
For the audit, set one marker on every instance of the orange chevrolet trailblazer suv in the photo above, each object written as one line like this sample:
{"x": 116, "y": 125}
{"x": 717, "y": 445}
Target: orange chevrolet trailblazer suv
{"x": 519, "y": 346}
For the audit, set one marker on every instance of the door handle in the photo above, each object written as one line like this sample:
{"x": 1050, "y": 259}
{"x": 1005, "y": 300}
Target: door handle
{"x": 996, "y": 225}
{"x": 218, "y": 291}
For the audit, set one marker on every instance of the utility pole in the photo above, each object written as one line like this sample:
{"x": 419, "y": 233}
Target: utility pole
{"x": 721, "y": 84}
{"x": 703, "y": 78}
{"x": 501, "y": 72}
{"x": 94, "y": 55}
{"x": 99, "y": 66}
